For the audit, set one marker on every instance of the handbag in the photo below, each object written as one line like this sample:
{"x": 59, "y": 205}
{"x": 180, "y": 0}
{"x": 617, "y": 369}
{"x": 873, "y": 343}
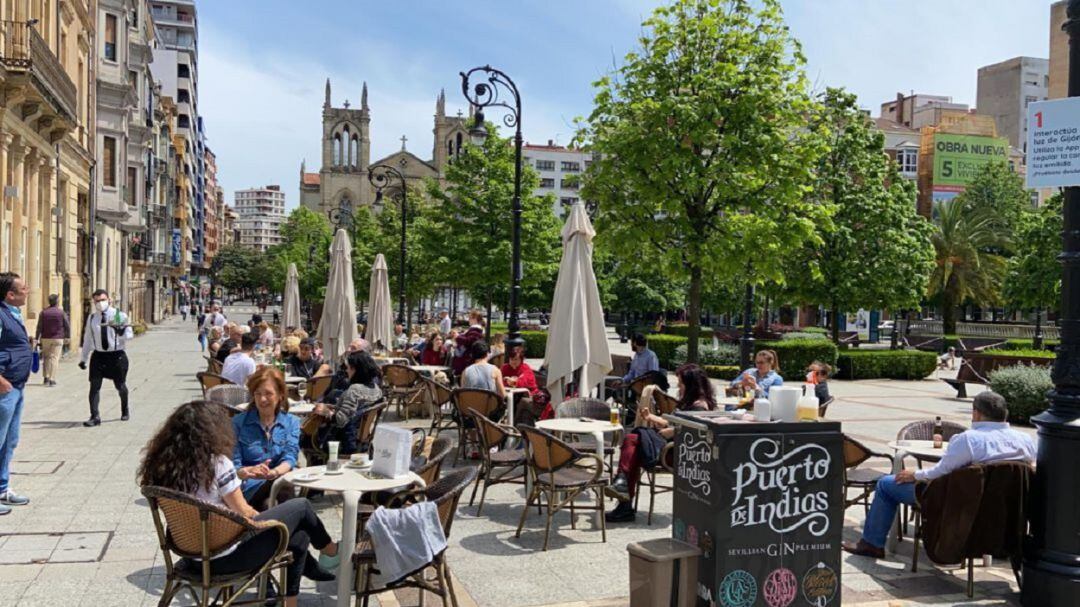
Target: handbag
{"x": 35, "y": 363}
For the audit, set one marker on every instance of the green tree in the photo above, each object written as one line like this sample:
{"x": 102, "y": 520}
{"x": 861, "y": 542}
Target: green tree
{"x": 999, "y": 191}
{"x": 875, "y": 251}
{"x": 967, "y": 268}
{"x": 234, "y": 268}
{"x": 467, "y": 230}
{"x": 1033, "y": 278}
{"x": 422, "y": 273}
{"x": 704, "y": 161}
{"x": 306, "y": 238}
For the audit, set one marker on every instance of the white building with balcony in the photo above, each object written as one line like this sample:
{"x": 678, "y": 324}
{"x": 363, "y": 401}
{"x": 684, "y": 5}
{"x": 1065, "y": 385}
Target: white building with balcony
{"x": 260, "y": 215}
{"x": 560, "y": 170}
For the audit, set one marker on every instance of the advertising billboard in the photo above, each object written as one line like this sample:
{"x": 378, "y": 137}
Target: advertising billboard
{"x": 958, "y": 158}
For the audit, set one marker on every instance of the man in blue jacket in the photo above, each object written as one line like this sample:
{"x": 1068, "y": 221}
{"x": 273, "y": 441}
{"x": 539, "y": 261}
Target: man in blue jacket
{"x": 15, "y": 362}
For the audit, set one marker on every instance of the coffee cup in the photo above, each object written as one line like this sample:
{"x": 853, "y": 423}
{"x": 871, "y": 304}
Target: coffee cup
{"x": 359, "y": 459}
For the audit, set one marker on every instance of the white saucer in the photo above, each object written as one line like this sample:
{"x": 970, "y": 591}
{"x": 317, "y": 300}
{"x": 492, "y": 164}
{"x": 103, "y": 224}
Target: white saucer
{"x": 306, "y": 477}
{"x": 335, "y": 472}
{"x": 356, "y": 466}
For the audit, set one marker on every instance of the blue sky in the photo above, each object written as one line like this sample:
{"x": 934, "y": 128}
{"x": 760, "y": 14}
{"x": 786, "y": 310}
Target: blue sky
{"x": 263, "y": 63}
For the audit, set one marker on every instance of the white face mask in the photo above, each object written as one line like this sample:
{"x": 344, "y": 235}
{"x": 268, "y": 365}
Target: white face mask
{"x": 102, "y": 305}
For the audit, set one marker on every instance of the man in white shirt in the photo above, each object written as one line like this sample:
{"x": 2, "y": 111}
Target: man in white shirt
{"x": 105, "y": 337}
{"x": 401, "y": 340}
{"x": 214, "y": 319}
{"x": 444, "y": 323}
{"x": 239, "y": 365}
{"x": 990, "y": 439}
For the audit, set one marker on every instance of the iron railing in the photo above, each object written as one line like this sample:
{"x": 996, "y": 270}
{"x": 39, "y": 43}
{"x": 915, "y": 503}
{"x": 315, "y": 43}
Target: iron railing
{"x": 22, "y": 49}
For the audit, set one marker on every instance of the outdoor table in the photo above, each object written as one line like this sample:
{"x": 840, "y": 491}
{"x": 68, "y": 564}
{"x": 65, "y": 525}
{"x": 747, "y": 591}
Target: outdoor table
{"x": 572, "y": 425}
{"x": 725, "y": 401}
{"x": 430, "y": 370}
{"x": 511, "y": 395}
{"x": 295, "y": 379}
{"x": 394, "y": 360}
{"x": 351, "y": 483}
{"x": 920, "y": 449}
{"x": 301, "y": 409}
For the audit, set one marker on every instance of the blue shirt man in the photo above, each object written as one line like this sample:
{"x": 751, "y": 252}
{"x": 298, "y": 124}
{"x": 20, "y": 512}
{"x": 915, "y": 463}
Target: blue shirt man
{"x": 644, "y": 360}
{"x": 15, "y": 362}
{"x": 255, "y": 445}
{"x": 990, "y": 439}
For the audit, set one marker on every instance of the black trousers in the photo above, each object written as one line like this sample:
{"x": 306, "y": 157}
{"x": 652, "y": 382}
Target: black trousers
{"x": 108, "y": 365}
{"x": 305, "y": 529}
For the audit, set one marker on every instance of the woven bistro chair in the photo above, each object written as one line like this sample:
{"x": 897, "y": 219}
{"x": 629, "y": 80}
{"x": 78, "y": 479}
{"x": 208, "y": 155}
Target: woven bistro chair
{"x": 232, "y": 397}
{"x": 208, "y": 380}
{"x": 369, "y": 421}
{"x": 484, "y": 402}
{"x": 192, "y": 532}
{"x": 497, "y": 360}
{"x": 663, "y": 404}
{"x": 428, "y": 472}
{"x": 592, "y": 409}
{"x": 402, "y": 385}
{"x": 498, "y": 464}
{"x": 445, "y": 493}
{"x": 442, "y": 407}
{"x": 317, "y": 387}
{"x": 922, "y": 430}
{"x": 824, "y": 407}
{"x": 861, "y": 480}
{"x": 560, "y": 474}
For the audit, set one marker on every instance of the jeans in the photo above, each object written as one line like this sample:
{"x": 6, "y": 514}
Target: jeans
{"x": 888, "y": 495}
{"x": 11, "y": 405}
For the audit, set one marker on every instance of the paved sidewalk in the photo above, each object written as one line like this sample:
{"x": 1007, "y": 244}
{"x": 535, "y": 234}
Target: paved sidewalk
{"x": 87, "y": 537}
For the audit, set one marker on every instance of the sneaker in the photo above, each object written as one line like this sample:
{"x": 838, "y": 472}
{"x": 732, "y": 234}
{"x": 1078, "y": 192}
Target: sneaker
{"x": 4, "y": 510}
{"x": 10, "y": 498}
{"x": 329, "y": 563}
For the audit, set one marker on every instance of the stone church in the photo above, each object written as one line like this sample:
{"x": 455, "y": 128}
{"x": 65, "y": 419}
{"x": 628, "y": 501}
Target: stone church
{"x": 346, "y": 155}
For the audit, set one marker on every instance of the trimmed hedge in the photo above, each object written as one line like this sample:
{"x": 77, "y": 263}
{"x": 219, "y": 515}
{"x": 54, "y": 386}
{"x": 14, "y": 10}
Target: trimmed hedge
{"x": 665, "y": 346}
{"x": 722, "y": 372}
{"x": 887, "y": 364}
{"x": 1028, "y": 344}
{"x": 803, "y": 335}
{"x": 796, "y": 355}
{"x": 1010, "y": 352}
{"x": 722, "y": 355}
{"x": 535, "y": 343}
{"x": 819, "y": 330}
{"x": 1024, "y": 389}
{"x": 683, "y": 330}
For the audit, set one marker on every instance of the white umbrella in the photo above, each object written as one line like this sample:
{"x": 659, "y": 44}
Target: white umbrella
{"x": 577, "y": 338}
{"x": 380, "y": 325}
{"x": 338, "y": 324}
{"x": 290, "y": 303}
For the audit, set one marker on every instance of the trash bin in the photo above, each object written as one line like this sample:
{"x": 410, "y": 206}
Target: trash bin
{"x": 663, "y": 572}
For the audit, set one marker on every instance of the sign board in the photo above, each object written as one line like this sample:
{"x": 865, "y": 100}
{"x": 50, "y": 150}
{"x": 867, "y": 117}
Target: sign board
{"x": 1053, "y": 143}
{"x": 959, "y": 158}
{"x": 765, "y": 504}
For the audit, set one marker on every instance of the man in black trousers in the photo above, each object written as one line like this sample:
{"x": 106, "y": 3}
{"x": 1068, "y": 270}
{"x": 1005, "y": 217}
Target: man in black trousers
{"x": 106, "y": 335}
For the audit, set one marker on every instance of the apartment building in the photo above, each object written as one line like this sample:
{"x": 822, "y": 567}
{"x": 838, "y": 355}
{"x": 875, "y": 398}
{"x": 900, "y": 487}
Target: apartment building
{"x": 260, "y": 215}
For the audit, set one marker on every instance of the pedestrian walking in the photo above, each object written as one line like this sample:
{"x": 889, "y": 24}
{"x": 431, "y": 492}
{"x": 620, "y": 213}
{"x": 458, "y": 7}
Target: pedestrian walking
{"x": 184, "y": 311}
{"x": 15, "y": 361}
{"x": 52, "y": 334}
{"x": 104, "y": 340}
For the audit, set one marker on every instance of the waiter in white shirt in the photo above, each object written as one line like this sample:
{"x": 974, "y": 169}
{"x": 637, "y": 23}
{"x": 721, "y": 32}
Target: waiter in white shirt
{"x": 214, "y": 319}
{"x": 106, "y": 334}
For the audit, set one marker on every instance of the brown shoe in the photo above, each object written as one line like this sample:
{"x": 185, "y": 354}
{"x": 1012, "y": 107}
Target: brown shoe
{"x": 863, "y": 549}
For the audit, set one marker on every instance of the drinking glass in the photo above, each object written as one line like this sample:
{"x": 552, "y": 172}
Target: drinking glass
{"x": 301, "y": 389}
{"x": 288, "y": 370}
{"x": 332, "y": 462}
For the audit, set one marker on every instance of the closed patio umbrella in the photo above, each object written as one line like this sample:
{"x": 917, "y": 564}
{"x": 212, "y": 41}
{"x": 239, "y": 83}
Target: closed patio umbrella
{"x": 290, "y": 301}
{"x": 338, "y": 324}
{"x": 380, "y": 326}
{"x": 577, "y": 338}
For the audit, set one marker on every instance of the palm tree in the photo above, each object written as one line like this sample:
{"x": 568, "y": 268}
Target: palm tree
{"x": 968, "y": 266}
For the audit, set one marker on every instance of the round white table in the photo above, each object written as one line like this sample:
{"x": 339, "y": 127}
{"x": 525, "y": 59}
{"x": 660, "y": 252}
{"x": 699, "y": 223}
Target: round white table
{"x": 511, "y": 396}
{"x": 351, "y": 483}
{"x": 572, "y": 425}
{"x": 294, "y": 379}
{"x": 921, "y": 449}
{"x": 430, "y": 370}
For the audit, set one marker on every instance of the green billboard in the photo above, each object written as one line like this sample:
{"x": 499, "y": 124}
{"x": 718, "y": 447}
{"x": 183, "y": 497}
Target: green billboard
{"x": 958, "y": 158}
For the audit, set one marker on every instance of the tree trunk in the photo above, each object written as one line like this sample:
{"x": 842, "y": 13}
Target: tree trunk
{"x": 487, "y": 325}
{"x": 835, "y": 323}
{"x": 694, "y": 314}
{"x": 948, "y": 310}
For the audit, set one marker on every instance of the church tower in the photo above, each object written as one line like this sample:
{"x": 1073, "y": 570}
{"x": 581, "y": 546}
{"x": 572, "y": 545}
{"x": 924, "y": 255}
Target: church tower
{"x": 450, "y": 136}
{"x": 346, "y": 152}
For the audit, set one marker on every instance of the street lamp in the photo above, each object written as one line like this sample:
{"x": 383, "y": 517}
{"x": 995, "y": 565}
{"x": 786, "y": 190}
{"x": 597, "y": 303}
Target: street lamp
{"x": 381, "y": 176}
{"x": 746, "y": 343}
{"x": 489, "y": 93}
{"x": 342, "y": 216}
{"x": 1052, "y": 554}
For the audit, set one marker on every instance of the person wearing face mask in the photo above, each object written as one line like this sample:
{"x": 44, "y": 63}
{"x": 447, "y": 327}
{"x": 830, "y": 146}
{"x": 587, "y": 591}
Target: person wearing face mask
{"x": 104, "y": 340}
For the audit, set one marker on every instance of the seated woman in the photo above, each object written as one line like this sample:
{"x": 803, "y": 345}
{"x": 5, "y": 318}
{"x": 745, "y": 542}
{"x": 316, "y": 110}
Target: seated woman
{"x": 518, "y": 374}
{"x": 433, "y": 351}
{"x": 267, "y": 438}
{"x": 764, "y": 375}
{"x": 341, "y": 417}
{"x": 818, "y": 374}
{"x": 266, "y": 335}
{"x": 695, "y": 394}
{"x": 191, "y": 454}
{"x": 480, "y": 373}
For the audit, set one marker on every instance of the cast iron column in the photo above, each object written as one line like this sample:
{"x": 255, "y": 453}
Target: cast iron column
{"x": 746, "y": 344}
{"x": 379, "y": 176}
{"x": 1052, "y": 555}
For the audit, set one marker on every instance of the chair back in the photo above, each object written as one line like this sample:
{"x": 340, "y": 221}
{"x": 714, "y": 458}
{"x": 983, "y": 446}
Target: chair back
{"x": 497, "y": 360}
{"x": 924, "y": 430}
{"x": 620, "y": 365}
{"x": 208, "y": 380}
{"x": 429, "y": 472}
{"x": 824, "y": 407}
{"x": 215, "y": 366}
{"x": 484, "y": 402}
{"x": 193, "y": 528}
{"x": 317, "y": 387}
{"x": 439, "y": 393}
{"x": 547, "y": 452}
{"x": 491, "y": 435}
{"x": 399, "y": 377}
{"x": 664, "y": 403}
{"x": 369, "y": 421}
{"x": 855, "y": 452}
{"x": 229, "y": 395}
{"x": 446, "y": 492}
{"x": 584, "y": 407}
{"x": 639, "y": 384}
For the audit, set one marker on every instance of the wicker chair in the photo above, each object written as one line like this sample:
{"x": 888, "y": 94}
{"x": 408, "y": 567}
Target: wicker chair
{"x": 592, "y": 409}
{"x": 429, "y": 472}
{"x": 402, "y": 385}
{"x": 232, "y": 397}
{"x": 369, "y": 421}
{"x": 208, "y": 380}
{"x": 922, "y": 430}
{"x": 445, "y": 494}
{"x": 824, "y": 407}
{"x": 862, "y": 480}
{"x": 499, "y": 466}
{"x": 442, "y": 407}
{"x": 317, "y": 387}
{"x": 484, "y": 402}
{"x": 663, "y": 404}
{"x": 556, "y": 470}
{"x": 193, "y": 532}
{"x": 497, "y": 360}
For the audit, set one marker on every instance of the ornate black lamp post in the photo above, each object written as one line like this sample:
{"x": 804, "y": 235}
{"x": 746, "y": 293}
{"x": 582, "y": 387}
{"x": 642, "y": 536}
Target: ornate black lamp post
{"x": 489, "y": 93}
{"x": 1052, "y": 555}
{"x": 381, "y": 177}
{"x": 746, "y": 343}
{"x": 342, "y": 216}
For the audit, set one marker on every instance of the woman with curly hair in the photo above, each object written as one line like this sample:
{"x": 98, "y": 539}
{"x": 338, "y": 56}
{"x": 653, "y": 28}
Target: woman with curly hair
{"x": 192, "y": 453}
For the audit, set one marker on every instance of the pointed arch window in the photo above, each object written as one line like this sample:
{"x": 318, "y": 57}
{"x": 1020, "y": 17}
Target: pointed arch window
{"x": 337, "y": 150}
{"x": 354, "y": 147}
{"x": 459, "y": 140}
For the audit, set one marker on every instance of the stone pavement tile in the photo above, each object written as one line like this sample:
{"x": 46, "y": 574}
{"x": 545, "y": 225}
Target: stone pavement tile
{"x": 33, "y": 542}
{"x": 12, "y": 591}
{"x": 20, "y": 573}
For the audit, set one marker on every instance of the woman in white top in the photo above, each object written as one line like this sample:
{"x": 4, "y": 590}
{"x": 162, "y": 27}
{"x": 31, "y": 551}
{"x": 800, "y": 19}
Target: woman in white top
{"x": 192, "y": 453}
{"x": 482, "y": 374}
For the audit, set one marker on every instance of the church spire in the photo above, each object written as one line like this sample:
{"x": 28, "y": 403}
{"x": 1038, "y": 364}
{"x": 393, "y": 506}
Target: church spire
{"x": 363, "y": 98}
{"x": 326, "y": 104}
{"x": 440, "y": 104}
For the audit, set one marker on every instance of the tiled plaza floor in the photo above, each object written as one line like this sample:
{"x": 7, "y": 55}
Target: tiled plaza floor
{"x": 87, "y": 537}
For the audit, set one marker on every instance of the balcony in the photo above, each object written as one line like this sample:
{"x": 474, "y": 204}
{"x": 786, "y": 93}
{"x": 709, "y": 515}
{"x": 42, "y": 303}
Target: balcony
{"x": 24, "y": 54}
